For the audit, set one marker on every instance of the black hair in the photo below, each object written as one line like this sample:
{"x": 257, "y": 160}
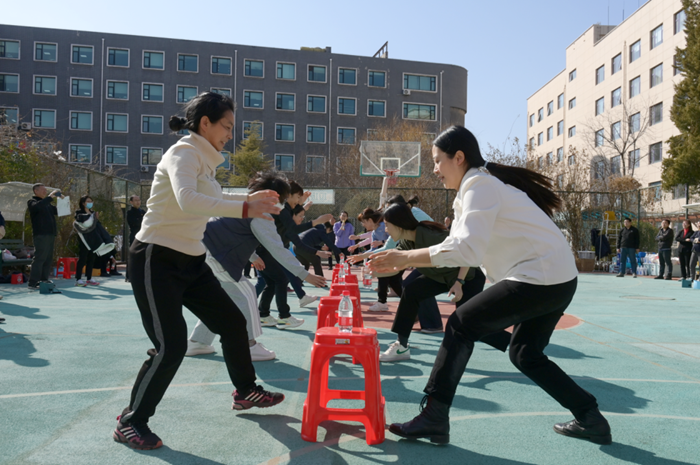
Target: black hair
{"x": 269, "y": 180}
{"x": 399, "y": 214}
{"x": 413, "y": 201}
{"x": 298, "y": 209}
{"x": 295, "y": 188}
{"x": 344, "y": 212}
{"x": 81, "y": 202}
{"x": 36, "y": 186}
{"x": 398, "y": 198}
{"x": 666, "y": 220}
{"x": 369, "y": 214}
{"x": 627, "y": 218}
{"x": 537, "y": 186}
{"x": 209, "y": 104}
{"x": 328, "y": 225}
{"x": 131, "y": 199}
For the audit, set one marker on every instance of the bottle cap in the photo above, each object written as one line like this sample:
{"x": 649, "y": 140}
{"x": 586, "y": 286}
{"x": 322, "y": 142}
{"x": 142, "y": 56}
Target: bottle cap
{"x": 346, "y": 293}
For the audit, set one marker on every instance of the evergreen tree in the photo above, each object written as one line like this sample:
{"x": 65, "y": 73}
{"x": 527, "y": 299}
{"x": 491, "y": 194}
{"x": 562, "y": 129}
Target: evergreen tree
{"x": 683, "y": 164}
{"x": 248, "y": 160}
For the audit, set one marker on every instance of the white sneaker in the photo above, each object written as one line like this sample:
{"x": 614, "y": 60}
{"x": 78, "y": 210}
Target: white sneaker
{"x": 197, "y": 348}
{"x": 81, "y": 283}
{"x": 395, "y": 352}
{"x": 288, "y": 323}
{"x": 307, "y": 299}
{"x": 260, "y": 353}
{"x": 269, "y": 320}
{"x": 378, "y": 307}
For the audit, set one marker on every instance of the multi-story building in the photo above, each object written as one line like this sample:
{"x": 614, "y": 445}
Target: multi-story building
{"x": 107, "y": 98}
{"x": 614, "y": 97}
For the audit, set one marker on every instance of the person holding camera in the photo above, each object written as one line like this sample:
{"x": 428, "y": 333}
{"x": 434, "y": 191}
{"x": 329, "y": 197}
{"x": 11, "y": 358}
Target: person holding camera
{"x": 665, "y": 240}
{"x": 43, "y": 215}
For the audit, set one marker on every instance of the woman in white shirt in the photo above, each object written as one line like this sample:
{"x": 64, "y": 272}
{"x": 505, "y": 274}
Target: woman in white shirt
{"x": 503, "y": 224}
{"x": 168, "y": 269}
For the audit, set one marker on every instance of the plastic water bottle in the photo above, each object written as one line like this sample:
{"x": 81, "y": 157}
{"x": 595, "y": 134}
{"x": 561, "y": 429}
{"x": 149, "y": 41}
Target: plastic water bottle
{"x": 345, "y": 313}
{"x": 366, "y": 276}
{"x": 341, "y": 274}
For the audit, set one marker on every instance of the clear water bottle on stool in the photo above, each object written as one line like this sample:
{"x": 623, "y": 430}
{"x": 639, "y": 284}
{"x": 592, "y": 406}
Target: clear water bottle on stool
{"x": 345, "y": 313}
{"x": 366, "y": 277}
{"x": 341, "y": 273}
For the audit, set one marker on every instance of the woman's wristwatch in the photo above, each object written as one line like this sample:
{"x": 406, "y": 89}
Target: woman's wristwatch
{"x": 460, "y": 281}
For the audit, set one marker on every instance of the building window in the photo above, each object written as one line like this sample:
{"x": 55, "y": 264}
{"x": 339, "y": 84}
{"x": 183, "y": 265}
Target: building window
{"x": 657, "y": 36}
{"x": 314, "y": 164}
{"x": 252, "y": 99}
{"x": 572, "y": 131}
{"x": 600, "y": 75}
{"x": 44, "y": 119}
{"x": 416, "y": 82}
{"x": 9, "y": 49}
{"x": 416, "y": 111}
{"x": 539, "y": 162}
{"x": 346, "y": 136}
{"x": 599, "y": 106}
{"x": 376, "y": 108}
{"x": 347, "y": 106}
{"x": 284, "y": 132}
{"x": 317, "y": 73}
{"x": 635, "y": 50}
{"x": 657, "y": 75}
{"x": 377, "y": 79}
{"x": 117, "y": 57}
{"x": 183, "y": 132}
{"x": 540, "y": 138}
{"x": 152, "y": 125}
{"x": 81, "y": 121}
{"x": 188, "y": 63}
{"x": 616, "y": 97}
{"x": 9, "y": 116}
{"x": 572, "y": 75}
{"x": 286, "y": 71}
{"x": 152, "y": 92}
{"x": 532, "y": 119}
{"x": 347, "y": 76}
{"x": 550, "y": 108}
{"x": 655, "y": 153}
{"x": 117, "y": 122}
{"x": 550, "y": 133}
{"x": 285, "y": 102}
{"x": 118, "y": 90}
{"x": 44, "y": 85}
{"x": 560, "y": 128}
{"x": 220, "y": 65}
{"x": 679, "y": 22}
{"x": 572, "y": 103}
{"x": 221, "y": 91}
{"x": 116, "y": 155}
{"x": 599, "y": 170}
{"x": 186, "y": 93}
{"x": 316, "y": 104}
{"x": 45, "y": 52}
{"x": 254, "y": 68}
{"x": 226, "y": 164}
{"x": 151, "y": 156}
{"x": 635, "y": 86}
{"x": 549, "y": 158}
{"x": 600, "y": 137}
{"x": 316, "y": 134}
{"x": 616, "y": 130}
{"x": 560, "y": 101}
{"x": 154, "y": 60}
{"x": 633, "y": 159}
{"x": 252, "y": 127}
{"x": 560, "y": 181}
{"x": 635, "y": 121}
{"x": 657, "y": 190}
{"x": 679, "y": 192}
{"x": 82, "y": 55}
{"x": 80, "y": 87}
{"x": 615, "y": 164}
{"x": 616, "y": 63}
{"x": 656, "y": 113}
{"x": 284, "y": 163}
{"x": 572, "y": 160}
{"x": 532, "y": 143}
{"x": 540, "y": 114}
{"x": 560, "y": 154}
{"x": 9, "y": 83}
{"x": 80, "y": 154}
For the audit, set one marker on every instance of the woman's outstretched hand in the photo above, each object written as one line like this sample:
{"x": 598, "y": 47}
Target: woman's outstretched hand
{"x": 263, "y": 202}
{"x": 388, "y": 261}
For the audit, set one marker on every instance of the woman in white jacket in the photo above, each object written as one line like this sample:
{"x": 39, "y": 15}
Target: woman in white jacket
{"x": 168, "y": 269}
{"x": 503, "y": 224}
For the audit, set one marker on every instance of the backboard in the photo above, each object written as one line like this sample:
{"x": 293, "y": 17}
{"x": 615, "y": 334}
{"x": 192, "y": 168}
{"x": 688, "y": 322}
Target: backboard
{"x": 378, "y": 156}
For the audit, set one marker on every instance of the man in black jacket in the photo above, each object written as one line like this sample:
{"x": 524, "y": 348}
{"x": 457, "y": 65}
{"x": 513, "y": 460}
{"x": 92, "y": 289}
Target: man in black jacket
{"x": 628, "y": 246}
{"x": 134, "y": 217}
{"x": 685, "y": 249}
{"x": 665, "y": 240}
{"x": 316, "y": 237}
{"x": 43, "y": 214}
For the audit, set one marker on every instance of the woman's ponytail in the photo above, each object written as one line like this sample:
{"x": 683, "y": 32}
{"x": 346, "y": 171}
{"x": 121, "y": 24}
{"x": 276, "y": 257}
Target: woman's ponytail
{"x": 177, "y": 123}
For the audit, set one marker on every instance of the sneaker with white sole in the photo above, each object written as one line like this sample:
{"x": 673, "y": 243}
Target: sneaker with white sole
{"x": 197, "y": 348}
{"x": 81, "y": 283}
{"x": 257, "y": 397}
{"x": 137, "y": 436}
{"x": 290, "y": 322}
{"x": 269, "y": 320}
{"x": 92, "y": 282}
{"x": 379, "y": 307}
{"x": 260, "y": 353}
{"x": 307, "y": 299}
{"x": 395, "y": 352}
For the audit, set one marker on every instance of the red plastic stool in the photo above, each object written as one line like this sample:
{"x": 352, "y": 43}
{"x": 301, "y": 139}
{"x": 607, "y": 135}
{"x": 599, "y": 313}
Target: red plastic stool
{"x": 328, "y": 312}
{"x": 349, "y": 278}
{"x": 70, "y": 264}
{"x": 362, "y": 344}
{"x": 354, "y": 288}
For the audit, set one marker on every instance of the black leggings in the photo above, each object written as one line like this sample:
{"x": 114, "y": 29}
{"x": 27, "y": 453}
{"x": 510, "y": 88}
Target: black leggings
{"x": 389, "y": 281}
{"x": 86, "y": 259}
{"x": 535, "y": 311}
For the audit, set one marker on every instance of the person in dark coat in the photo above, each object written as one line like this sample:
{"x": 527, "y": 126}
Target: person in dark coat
{"x": 134, "y": 217}
{"x": 316, "y": 237}
{"x": 628, "y": 246}
{"x": 665, "y": 241}
{"x": 43, "y": 215}
{"x": 685, "y": 249}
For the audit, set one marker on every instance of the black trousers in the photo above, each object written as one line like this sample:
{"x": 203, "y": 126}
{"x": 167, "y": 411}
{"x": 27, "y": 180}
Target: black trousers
{"x": 428, "y": 311}
{"x": 535, "y": 311}
{"x": 693, "y": 264}
{"x": 43, "y": 258}
{"x": 86, "y": 258}
{"x": 664, "y": 262}
{"x": 389, "y": 281}
{"x": 684, "y": 254}
{"x": 275, "y": 286}
{"x": 308, "y": 261}
{"x": 163, "y": 281}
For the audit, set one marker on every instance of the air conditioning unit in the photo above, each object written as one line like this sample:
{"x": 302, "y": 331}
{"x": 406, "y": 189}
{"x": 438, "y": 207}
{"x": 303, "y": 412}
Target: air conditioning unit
{"x": 144, "y": 169}
{"x": 25, "y": 126}
{"x": 407, "y": 92}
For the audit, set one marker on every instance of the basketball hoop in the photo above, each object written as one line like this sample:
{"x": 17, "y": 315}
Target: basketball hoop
{"x": 392, "y": 176}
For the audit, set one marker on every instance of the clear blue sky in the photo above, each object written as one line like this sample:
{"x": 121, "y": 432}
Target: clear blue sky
{"x": 510, "y": 47}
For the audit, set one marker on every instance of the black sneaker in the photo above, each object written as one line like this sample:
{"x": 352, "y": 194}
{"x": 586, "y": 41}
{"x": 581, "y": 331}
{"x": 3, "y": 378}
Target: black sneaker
{"x": 256, "y": 397}
{"x": 136, "y": 436}
{"x": 33, "y": 287}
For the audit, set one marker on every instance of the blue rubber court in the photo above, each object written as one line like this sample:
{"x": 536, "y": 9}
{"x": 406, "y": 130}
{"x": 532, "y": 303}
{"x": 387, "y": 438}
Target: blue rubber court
{"x": 67, "y": 363}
